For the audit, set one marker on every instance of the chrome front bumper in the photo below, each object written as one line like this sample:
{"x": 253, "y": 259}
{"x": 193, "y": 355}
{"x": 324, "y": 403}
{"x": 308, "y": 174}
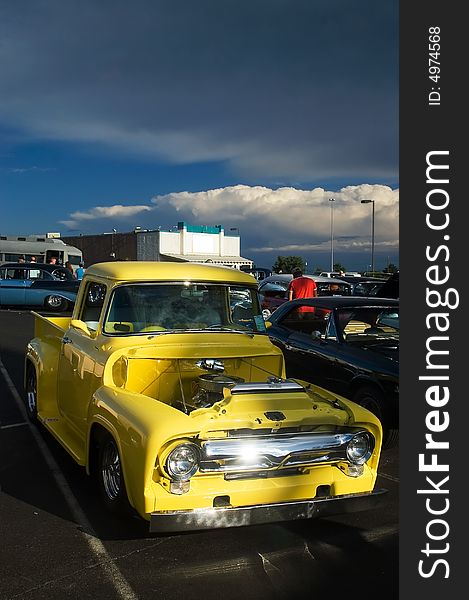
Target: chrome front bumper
{"x": 213, "y": 518}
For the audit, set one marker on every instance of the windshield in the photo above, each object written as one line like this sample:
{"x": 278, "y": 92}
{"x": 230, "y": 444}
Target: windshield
{"x": 62, "y": 274}
{"x": 273, "y": 290}
{"x": 368, "y": 321}
{"x": 154, "y": 308}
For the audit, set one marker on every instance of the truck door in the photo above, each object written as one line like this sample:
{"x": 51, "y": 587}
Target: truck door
{"x": 80, "y": 370}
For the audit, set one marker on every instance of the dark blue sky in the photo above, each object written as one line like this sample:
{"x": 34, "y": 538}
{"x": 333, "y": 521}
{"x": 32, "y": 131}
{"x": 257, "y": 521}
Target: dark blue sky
{"x": 111, "y": 104}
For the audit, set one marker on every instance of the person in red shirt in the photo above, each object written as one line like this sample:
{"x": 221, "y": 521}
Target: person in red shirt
{"x": 302, "y": 287}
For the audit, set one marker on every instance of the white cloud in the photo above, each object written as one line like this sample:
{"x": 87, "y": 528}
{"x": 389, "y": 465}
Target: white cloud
{"x": 288, "y": 218}
{"x": 117, "y": 211}
{"x": 33, "y": 169}
{"x": 285, "y": 220}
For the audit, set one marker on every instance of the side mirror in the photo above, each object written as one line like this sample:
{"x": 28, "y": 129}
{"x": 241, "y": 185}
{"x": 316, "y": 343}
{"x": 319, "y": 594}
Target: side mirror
{"x": 81, "y": 326}
{"x": 268, "y": 324}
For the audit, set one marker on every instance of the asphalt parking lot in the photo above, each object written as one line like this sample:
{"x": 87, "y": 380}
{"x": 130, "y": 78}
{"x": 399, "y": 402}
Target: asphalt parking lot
{"x": 59, "y": 542}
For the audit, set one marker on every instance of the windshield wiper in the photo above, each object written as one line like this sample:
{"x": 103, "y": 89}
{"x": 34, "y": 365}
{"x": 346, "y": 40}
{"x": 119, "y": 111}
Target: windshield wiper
{"x": 204, "y": 329}
{"x": 226, "y": 329}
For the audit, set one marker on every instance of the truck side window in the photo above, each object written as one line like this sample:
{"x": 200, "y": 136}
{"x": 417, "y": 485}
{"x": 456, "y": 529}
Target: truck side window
{"x": 93, "y": 304}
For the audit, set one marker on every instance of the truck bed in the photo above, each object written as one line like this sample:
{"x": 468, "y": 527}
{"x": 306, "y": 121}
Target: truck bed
{"x": 50, "y": 326}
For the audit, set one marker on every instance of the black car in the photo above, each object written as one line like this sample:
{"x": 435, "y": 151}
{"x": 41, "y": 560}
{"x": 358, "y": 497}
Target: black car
{"x": 37, "y": 285}
{"x": 349, "y": 345}
{"x": 389, "y": 288}
{"x": 364, "y": 286}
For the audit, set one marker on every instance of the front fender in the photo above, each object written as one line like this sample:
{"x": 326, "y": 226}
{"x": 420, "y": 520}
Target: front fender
{"x": 360, "y": 417}
{"x": 366, "y": 419}
{"x": 140, "y": 426}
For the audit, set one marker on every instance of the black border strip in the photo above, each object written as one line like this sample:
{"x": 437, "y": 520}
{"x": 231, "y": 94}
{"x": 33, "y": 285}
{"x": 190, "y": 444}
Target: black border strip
{"x": 433, "y": 234}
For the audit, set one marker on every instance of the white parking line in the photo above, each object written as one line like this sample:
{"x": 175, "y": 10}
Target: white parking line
{"x": 22, "y": 424}
{"x": 380, "y": 533}
{"x": 121, "y": 585}
{"x": 390, "y": 477}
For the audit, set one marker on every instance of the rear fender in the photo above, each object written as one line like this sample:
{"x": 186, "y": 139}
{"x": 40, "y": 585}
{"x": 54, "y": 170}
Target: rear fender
{"x": 43, "y": 357}
{"x": 69, "y": 296}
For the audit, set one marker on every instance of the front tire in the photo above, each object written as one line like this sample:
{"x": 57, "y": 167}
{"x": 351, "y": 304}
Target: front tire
{"x": 31, "y": 394}
{"x": 373, "y": 400}
{"x": 110, "y": 476}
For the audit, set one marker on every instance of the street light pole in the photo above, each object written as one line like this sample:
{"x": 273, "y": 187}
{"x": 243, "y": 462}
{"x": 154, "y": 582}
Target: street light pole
{"x": 332, "y": 200}
{"x": 372, "y": 233}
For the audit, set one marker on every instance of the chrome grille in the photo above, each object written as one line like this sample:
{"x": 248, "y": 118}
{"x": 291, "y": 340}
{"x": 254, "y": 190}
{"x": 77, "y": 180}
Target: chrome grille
{"x": 275, "y": 451}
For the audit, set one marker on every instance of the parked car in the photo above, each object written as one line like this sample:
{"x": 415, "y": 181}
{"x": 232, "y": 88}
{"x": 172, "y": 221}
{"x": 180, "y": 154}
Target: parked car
{"x": 259, "y": 273}
{"x": 364, "y": 285}
{"x": 333, "y": 274}
{"x": 348, "y": 345}
{"x": 272, "y": 294}
{"x": 273, "y": 289}
{"x": 165, "y": 386}
{"x": 37, "y": 285}
{"x": 388, "y": 288}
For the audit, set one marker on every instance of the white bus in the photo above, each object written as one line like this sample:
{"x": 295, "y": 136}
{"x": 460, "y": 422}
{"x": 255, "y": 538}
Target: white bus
{"x": 43, "y": 247}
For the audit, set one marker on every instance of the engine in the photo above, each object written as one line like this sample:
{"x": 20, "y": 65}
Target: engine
{"x": 208, "y": 389}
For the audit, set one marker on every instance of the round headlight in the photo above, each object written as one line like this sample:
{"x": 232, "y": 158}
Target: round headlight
{"x": 359, "y": 448}
{"x": 183, "y": 461}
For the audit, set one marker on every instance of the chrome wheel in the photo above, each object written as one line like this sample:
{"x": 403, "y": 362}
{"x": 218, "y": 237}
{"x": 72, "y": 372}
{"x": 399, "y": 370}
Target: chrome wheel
{"x": 31, "y": 394}
{"x": 111, "y": 470}
{"x": 110, "y": 476}
{"x": 56, "y": 302}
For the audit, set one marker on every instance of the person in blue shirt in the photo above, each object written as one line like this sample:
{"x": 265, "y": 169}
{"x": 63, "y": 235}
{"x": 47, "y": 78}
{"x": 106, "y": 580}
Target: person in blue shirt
{"x": 80, "y": 271}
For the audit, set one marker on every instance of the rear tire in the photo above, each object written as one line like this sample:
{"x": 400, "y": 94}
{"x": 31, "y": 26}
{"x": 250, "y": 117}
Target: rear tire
{"x": 31, "y": 394}
{"x": 373, "y": 400}
{"x": 56, "y": 303}
{"x": 110, "y": 476}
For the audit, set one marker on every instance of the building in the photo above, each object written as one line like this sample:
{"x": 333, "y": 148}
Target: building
{"x": 191, "y": 243}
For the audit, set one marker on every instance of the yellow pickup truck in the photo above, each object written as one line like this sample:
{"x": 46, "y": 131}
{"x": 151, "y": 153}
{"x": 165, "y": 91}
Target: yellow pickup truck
{"x": 164, "y": 385}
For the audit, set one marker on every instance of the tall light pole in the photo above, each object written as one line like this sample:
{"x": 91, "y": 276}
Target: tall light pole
{"x": 372, "y": 202}
{"x": 112, "y": 233}
{"x": 332, "y": 200}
